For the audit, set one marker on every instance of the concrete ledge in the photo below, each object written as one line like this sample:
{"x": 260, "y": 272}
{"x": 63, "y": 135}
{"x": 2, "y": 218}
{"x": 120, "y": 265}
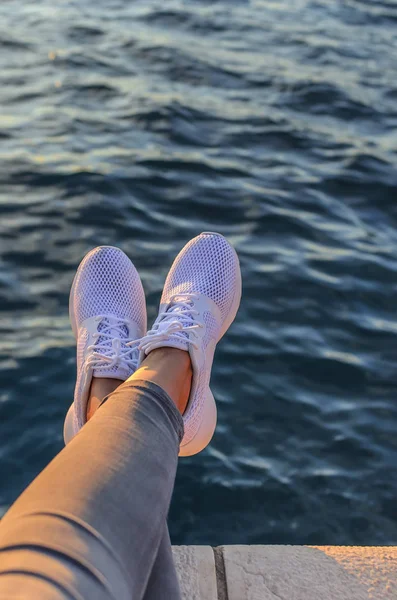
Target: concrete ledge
{"x": 287, "y": 572}
{"x": 195, "y": 566}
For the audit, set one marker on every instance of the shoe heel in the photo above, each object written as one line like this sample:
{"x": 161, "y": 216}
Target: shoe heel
{"x": 206, "y": 430}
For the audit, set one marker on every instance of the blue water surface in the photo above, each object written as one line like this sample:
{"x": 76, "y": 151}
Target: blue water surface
{"x": 140, "y": 124}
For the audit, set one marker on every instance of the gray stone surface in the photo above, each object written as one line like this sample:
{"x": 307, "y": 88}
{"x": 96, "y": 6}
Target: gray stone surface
{"x": 306, "y": 573}
{"x": 374, "y": 566}
{"x": 195, "y": 566}
{"x": 287, "y": 572}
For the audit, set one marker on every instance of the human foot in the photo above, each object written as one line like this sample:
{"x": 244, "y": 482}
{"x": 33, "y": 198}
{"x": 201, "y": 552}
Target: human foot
{"x": 199, "y": 303}
{"x": 107, "y": 311}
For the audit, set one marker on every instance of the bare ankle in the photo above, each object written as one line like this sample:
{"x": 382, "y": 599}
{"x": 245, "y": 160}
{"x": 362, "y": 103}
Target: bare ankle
{"x": 100, "y": 388}
{"x": 171, "y": 369}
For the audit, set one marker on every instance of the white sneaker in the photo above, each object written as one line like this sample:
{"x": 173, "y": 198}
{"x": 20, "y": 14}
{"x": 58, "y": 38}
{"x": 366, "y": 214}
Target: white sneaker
{"x": 107, "y": 310}
{"x": 199, "y": 303}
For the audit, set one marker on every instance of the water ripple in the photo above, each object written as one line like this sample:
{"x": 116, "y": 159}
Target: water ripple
{"x": 137, "y": 125}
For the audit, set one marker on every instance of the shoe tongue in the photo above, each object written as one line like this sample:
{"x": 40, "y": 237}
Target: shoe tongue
{"x": 175, "y": 308}
{"x": 186, "y": 300}
{"x": 179, "y": 313}
{"x": 179, "y": 304}
{"x": 105, "y": 324}
{"x": 107, "y": 347}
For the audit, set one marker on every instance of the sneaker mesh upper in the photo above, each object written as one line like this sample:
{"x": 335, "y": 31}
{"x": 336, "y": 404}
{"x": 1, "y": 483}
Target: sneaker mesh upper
{"x": 206, "y": 265}
{"x": 212, "y": 328}
{"x": 107, "y": 283}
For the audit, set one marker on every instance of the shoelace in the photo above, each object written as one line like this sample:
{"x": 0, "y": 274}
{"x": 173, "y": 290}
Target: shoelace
{"x": 112, "y": 351}
{"x": 172, "y": 323}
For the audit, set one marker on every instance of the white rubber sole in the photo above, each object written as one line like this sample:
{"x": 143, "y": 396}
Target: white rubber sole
{"x": 206, "y": 430}
{"x": 68, "y": 428}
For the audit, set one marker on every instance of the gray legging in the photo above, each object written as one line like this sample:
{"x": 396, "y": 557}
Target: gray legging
{"x": 92, "y": 525}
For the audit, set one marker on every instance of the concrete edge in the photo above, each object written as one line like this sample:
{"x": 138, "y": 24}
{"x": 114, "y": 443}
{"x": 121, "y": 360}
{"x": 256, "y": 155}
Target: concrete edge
{"x": 285, "y": 572}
